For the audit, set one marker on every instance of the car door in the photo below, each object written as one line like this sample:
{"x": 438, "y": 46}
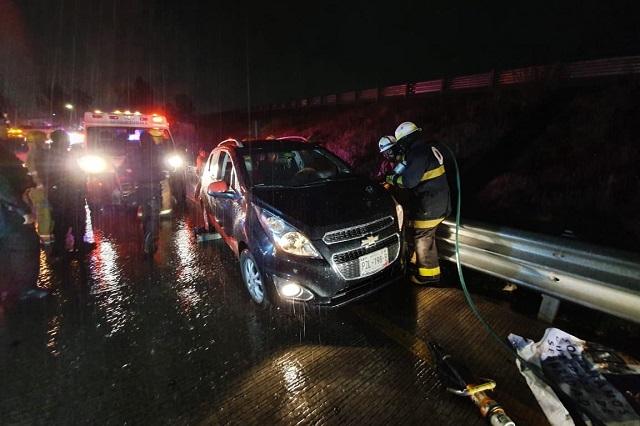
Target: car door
{"x": 228, "y": 208}
{"x": 209, "y": 174}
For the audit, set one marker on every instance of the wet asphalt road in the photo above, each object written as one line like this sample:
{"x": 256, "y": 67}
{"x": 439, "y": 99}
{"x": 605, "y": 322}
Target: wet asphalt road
{"x": 177, "y": 341}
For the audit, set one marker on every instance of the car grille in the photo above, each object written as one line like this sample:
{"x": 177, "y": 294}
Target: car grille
{"x": 348, "y": 264}
{"x": 358, "y": 231}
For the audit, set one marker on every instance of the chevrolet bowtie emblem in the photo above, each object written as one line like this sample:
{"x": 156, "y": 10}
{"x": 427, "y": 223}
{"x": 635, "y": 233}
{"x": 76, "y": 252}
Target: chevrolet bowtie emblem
{"x": 369, "y": 241}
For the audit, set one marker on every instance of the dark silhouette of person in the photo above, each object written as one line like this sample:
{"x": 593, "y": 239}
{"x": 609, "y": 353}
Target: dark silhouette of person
{"x": 19, "y": 242}
{"x": 149, "y": 173}
{"x": 66, "y": 190}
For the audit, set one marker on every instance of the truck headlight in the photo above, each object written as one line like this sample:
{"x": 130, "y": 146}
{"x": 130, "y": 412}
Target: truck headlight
{"x": 75, "y": 137}
{"x": 92, "y": 164}
{"x": 174, "y": 161}
{"x": 285, "y": 236}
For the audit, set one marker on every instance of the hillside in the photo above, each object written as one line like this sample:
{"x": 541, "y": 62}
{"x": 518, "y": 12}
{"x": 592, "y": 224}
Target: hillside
{"x": 557, "y": 160}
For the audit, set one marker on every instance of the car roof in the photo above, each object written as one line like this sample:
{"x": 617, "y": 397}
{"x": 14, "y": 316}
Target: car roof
{"x": 270, "y": 145}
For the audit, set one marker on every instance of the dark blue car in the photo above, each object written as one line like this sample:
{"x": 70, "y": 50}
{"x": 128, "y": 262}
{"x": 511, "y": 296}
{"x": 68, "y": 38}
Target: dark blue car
{"x": 304, "y": 227}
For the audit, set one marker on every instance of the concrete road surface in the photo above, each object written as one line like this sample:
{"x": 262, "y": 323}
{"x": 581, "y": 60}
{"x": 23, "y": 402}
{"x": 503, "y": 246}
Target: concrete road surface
{"x": 176, "y": 340}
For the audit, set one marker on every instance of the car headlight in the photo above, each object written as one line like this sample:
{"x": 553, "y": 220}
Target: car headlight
{"x": 288, "y": 289}
{"x": 285, "y": 236}
{"x": 174, "y": 160}
{"x": 92, "y": 164}
{"x": 399, "y": 214}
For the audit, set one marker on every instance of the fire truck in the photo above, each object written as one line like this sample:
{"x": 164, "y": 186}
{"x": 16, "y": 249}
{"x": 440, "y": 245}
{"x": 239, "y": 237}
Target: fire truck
{"x": 111, "y": 140}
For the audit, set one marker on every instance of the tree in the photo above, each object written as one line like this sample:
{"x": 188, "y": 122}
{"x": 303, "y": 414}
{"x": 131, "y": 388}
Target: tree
{"x": 81, "y": 100}
{"x": 141, "y": 95}
{"x": 52, "y": 99}
{"x": 182, "y": 108}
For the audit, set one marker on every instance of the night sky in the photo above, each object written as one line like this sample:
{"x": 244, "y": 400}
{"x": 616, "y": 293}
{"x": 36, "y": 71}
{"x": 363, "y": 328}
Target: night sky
{"x": 212, "y": 51}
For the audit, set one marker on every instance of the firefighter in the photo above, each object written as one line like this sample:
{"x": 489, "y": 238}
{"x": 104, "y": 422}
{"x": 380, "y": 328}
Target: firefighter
{"x": 385, "y": 146}
{"x": 19, "y": 242}
{"x": 35, "y": 163}
{"x": 66, "y": 193}
{"x": 420, "y": 169}
{"x": 149, "y": 175}
{"x": 201, "y": 159}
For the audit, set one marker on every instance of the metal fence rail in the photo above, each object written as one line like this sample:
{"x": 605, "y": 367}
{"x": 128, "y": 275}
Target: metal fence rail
{"x": 569, "y": 72}
{"x": 602, "y": 279}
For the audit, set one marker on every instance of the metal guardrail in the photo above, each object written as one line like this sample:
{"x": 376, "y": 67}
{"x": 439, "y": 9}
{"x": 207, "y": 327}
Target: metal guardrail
{"x": 573, "y": 71}
{"x": 603, "y": 279}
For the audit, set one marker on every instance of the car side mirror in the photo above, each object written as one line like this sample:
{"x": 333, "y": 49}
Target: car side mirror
{"x": 219, "y": 189}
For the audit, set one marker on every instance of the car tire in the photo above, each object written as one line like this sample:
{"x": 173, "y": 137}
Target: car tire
{"x": 253, "y": 279}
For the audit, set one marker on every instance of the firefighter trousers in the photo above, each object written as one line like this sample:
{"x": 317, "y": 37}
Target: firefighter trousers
{"x": 69, "y": 215}
{"x": 427, "y": 266}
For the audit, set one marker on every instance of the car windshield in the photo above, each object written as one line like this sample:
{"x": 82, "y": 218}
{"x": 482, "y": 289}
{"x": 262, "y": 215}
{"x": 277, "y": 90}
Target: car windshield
{"x": 123, "y": 140}
{"x": 294, "y": 167}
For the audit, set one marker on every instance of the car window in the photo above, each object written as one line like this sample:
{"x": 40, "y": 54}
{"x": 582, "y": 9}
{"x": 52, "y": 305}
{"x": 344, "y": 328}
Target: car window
{"x": 234, "y": 180}
{"x": 226, "y": 171}
{"x": 125, "y": 140}
{"x": 293, "y": 167}
{"x": 218, "y": 173}
{"x": 210, "y": 162}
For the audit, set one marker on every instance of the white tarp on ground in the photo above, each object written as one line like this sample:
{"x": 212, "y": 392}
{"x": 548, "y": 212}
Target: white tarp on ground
{"x": 599, "y": 380}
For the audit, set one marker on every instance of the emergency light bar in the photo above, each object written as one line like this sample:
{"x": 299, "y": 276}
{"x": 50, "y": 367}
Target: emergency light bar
{"x": 125, "y": 119}
{"x": 15, "y": 132}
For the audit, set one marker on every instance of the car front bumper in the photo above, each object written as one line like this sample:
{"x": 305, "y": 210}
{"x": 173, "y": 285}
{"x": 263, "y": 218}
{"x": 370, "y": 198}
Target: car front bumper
{"x": 329, "y": 289}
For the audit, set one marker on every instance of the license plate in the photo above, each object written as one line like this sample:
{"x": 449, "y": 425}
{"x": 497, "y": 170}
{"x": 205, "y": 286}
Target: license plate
{"x": 373, "y": 262}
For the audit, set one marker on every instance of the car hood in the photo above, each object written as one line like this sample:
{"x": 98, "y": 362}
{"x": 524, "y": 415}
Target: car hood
{"x": 331, "y": 205}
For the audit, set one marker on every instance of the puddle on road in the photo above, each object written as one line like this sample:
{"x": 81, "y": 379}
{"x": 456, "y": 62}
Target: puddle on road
{"x": 45, "y": 275}
{"x": 190, "y": 269}
{"x": 53, "y": 331}
{"x": 109, "y": 290}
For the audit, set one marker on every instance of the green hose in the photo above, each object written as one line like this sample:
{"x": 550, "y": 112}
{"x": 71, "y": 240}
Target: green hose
{"x": 577, "y": 412}
{"x": 463, "y": 283}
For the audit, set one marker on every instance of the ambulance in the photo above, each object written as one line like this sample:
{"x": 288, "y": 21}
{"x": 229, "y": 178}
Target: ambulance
{"x": 111, "y": 140}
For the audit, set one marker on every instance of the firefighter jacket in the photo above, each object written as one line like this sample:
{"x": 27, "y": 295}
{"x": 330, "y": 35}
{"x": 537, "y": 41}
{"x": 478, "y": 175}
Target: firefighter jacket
{"x": 424, "y": 175}
{"x": 14, "y": 182}
{"x": 147, "y": 165}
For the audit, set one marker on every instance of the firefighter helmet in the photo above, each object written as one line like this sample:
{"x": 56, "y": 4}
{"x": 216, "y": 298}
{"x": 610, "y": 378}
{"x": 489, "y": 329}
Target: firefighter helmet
{"x": 385, "y": 143}
{"x": 405, "y": 129}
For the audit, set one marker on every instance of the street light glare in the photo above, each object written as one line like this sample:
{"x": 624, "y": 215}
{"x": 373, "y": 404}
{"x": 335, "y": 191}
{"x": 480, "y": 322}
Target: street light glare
{"x": 68, "y": 106}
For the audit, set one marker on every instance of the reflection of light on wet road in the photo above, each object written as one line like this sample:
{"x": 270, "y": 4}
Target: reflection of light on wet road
{"x": 109, "y": 285}
{"x": 88, "y": 233}
{"x": 53, "y": 329}
{"x": 188, "y": 298}
{"x": 293, "y": 378}
{"x": 189, "y": 270}
{"x": 295, "y": 383}
{"x": 44, "y": 277}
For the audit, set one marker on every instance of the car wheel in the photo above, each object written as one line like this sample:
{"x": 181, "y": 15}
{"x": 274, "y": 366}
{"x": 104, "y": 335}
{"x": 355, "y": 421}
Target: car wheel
{"x": 253, "y": 279}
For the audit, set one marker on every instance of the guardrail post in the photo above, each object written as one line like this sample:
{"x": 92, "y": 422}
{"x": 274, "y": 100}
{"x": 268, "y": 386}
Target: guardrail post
{"x": 548, "y": 308}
